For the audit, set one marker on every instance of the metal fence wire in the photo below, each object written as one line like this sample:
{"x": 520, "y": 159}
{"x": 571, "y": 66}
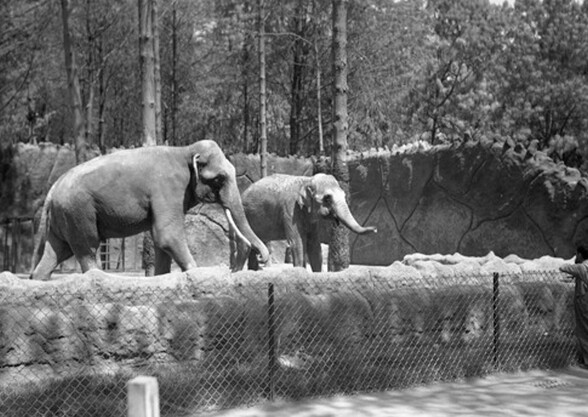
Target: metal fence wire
{"x": 70, "y": 353}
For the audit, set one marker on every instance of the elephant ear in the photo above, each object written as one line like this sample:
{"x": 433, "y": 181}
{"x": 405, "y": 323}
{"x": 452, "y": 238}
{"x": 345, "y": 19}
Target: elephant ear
{"x": 306, "y": 196}
{"x": 195, "y": 159}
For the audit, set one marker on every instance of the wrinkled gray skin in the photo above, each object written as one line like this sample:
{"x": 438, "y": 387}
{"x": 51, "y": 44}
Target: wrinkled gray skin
{"x": 132, "y": 191}
{"x": 287, "y": 207}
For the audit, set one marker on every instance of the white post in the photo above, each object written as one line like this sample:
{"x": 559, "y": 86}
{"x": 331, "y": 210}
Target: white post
{"x": 143, "y": 397}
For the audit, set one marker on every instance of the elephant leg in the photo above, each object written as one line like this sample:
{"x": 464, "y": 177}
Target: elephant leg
{"x": 315, "y": 255}
{"x": 55, "y": 252}
{"x": 88, "y": 261}
{"x": 297, "y": 247}
{"x": 162, "y": 262}
{"x": 86, "y": 256}
{"x": 288, "y": 255}
{"x": 253, "y": 263}
{"x": 85, "y": 246}
{"x": 170, "y": 238}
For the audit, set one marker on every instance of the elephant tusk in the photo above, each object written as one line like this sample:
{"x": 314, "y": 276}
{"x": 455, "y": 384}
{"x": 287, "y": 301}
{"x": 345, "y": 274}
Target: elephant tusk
{"x": 235, "y": 228}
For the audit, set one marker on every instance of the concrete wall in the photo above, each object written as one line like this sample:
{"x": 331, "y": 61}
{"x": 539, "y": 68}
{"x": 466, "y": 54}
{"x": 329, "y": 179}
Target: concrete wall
{"x": 472, "y": 198}
{"x": 114, "y": 323}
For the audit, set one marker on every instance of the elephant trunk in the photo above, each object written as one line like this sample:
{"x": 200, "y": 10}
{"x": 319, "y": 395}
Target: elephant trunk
{"x": 236, "y": 218}
{"x": 343, "y": 214}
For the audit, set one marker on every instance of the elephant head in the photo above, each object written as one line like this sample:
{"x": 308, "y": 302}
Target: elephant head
{"x": 215, "y": 181}
{"x": 323, "y": 196}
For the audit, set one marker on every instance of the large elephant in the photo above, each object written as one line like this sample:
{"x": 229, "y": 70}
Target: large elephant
{"x": 287, "y": 207}
{"x": 132, "y": 191}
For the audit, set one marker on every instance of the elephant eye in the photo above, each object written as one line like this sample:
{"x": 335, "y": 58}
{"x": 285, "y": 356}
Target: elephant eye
{"x": 327, "y": 199}
{"x": 216, "y": 182}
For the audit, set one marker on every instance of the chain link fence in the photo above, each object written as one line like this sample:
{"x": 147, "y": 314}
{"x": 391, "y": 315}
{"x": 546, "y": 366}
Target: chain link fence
{"x": 70, "y": 352}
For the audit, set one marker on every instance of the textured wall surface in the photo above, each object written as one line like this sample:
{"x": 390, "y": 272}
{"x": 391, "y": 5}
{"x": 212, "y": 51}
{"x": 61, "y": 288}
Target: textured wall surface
{"x": 471, "y": 199}
{"x": 111, "y": 322}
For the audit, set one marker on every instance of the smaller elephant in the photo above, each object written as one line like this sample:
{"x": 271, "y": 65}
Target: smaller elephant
{"x": 287, "y": 207}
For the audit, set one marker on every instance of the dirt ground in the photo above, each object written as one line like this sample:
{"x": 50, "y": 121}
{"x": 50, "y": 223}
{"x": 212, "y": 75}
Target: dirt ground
{"x": 534, "y": 393}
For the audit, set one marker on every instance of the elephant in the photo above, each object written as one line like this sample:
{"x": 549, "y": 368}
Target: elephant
{"x": 136, "y": 190}
{"x": 288, "y": 207}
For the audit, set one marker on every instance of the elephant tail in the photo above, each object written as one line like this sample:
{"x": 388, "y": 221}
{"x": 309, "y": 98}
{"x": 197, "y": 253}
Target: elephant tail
{"x": 41, "y": 236}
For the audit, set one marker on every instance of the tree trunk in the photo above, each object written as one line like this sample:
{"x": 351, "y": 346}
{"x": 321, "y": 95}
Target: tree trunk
{"x": 157, "y": 71}
{"x": 298, "y": 64}
{"x": 91, "y": 78}
{"x": 174, "y": 73}
{"x": 151, "y": 94}
{"x": 339, "y": 246}
{"x": 245, "y": 57}
{"x": 262, "y": 94}
{"x": 73, "y": 86}
{"x": 101, "y": 97}
{"x": 147, "y": 64}
{"x": 319, "y": 110}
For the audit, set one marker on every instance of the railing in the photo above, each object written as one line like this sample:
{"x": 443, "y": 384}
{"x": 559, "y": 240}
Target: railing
{"x": 16, "y": 243}
{"x": 71, "y": 353}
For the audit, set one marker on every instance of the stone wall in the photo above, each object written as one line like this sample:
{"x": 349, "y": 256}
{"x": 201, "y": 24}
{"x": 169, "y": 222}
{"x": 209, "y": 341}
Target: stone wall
{"x": 473, "y": 198}
{"x": 115, "y": 323}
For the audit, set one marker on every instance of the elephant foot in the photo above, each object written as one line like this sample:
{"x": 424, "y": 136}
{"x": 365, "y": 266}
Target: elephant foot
{"x": 254, "y": 264}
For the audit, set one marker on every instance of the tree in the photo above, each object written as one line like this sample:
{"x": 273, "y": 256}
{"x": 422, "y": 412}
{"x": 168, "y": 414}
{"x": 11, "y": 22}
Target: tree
{"x": 262, "y": 92}
{"x": 389, "y": 46}
{"x": 21, "y": 51}
{"x": 301, "y": 50}
{"x": 151, "y": 94}
{"x": 174, "y": 77}
{"x": 451, "y": 97}
{"x": 545, "y": 85}
{"x": 73, "y": 84}
{"x": 148, "y": 77}
{"x": 339, "y": 244}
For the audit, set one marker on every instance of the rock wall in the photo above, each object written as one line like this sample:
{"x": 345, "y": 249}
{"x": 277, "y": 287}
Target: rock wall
{"x": 115, "y": 323}
{"x": 26, "y": 174}
{"x": 473, "y": 198}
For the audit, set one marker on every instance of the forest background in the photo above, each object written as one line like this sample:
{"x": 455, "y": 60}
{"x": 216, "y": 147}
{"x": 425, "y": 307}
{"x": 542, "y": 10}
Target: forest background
{"x": 439, "y": 70}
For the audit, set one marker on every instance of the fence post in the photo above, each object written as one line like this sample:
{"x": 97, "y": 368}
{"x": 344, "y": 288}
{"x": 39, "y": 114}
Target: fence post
{"x": 15, "y": 244}
{"x": 271, "y": 341}
{"x": 143, "y": 397}
{"x": 6, "y": 260}
{"x": 123, "y": 254}
{"x": 495, "y": 318}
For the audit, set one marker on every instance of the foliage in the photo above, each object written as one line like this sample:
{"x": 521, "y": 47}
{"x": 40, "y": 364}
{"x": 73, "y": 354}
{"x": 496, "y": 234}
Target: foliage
{"x": 438, "y": 70}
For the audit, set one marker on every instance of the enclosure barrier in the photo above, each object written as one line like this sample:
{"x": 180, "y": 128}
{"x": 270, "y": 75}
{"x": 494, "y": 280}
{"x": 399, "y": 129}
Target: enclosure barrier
{"x": 68, "y": 353}
{"x": 17, "y": 236}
